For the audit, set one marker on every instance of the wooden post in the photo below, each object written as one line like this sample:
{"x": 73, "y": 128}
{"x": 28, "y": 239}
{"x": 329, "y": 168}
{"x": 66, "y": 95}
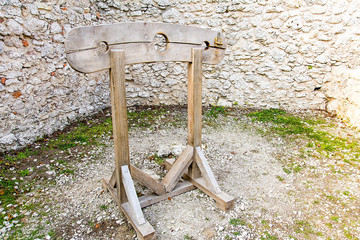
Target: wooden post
{"x": 119, "y": 117}
{"x": 195, "y": 105}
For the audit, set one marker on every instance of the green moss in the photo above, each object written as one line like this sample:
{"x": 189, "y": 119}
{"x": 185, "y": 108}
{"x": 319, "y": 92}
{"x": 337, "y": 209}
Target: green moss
{"x": 215, "y": 111}
{"x": 237, "y": 221}
{"x": 267, "y": 236}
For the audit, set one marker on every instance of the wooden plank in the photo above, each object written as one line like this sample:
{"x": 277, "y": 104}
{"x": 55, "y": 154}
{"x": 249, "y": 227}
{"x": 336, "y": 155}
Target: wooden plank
{"x": 146, "y": 180}
{"x": 133, "y": 200}
{"x": 144, "y": 231}
{"x": 195, "y": 105}
{"x": 92, "y": 60}
{"x": 206, "y": 171}
{"x": 112, "y": 181}
{"x": 112, "y": 191}
{"x": 180, "y": 166}
{"x": 88, "y": 37}
{"x": 153, "y": 198}
{"x": 119, "y": 117}
{"x": 223, "y": 200}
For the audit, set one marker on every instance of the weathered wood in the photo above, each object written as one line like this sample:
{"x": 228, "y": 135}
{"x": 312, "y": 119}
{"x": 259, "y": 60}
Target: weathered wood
{"x": 83, "y": 53}
{"x": 112, "y": 191}
{"x": 180, "y": 166}
{"x": 112, "y": 181}
{"x": 133, "y": 200}
{"x": 144, "y": 231}
{"x": 90, "y": 36}
{"x": 92, "y": 60}
{"x": 119, "y": 117}
{"x": 195, "y": 105}
{"x": 146, "y": 180}
{"x": 153, "y": 198}
{"x": 206, "y": 171}
{"x": 223, "y": 200}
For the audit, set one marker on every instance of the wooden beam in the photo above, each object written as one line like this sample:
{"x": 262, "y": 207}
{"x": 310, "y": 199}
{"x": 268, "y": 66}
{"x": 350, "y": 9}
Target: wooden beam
{"x": 223, "y": 200}
{"x": 195, "y": 105}
{"x": 144, "y": 231}
{"x": 146, "y": 180}
{"x": 180, "y": 166}
{"x": 112, "y": 181}
{"x": 153, "y": 198}
{"x": 206, "y": 171}
{"x": 133, "y": 200}
{"x": 119, "y": 116}
{"x": 136, "y": 39}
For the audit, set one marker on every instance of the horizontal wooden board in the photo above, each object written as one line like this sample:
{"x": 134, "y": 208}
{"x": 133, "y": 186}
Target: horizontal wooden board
{"x": 153, "y": 198}
{"x": 82, "y": 38}
{"x": 135, "y": 39}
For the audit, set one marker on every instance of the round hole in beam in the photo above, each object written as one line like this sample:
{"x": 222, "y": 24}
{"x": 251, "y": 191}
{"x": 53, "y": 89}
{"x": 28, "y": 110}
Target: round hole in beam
{"x": 160, "y": 42}
{"x": 205, "y": 45}
{"x": 103, "y": 47}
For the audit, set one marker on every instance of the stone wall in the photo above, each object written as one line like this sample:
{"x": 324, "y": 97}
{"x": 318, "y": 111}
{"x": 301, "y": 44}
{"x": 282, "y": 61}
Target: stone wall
{"x": 343, "y": 94}
{"x": 280, "y": 53}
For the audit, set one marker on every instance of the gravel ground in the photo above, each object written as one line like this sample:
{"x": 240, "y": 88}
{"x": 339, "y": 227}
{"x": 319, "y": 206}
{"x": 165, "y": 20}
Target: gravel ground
{"x": 270, "y": 203}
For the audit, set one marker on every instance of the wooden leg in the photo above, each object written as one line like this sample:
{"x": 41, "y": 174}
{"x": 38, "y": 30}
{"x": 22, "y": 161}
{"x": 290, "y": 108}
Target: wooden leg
{"x": 132, "y": 208}
{"x": 206, "y": 171}
{"x": 119, "y": 117}
{"x": 223, "y": 200}
{"x": 180, "y": 166}
{"x": 134, "y": 204}
{"x": 195, "y": 105}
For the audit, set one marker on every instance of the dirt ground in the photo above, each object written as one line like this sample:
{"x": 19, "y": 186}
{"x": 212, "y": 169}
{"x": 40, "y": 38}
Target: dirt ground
{"x": 318, "y": 199}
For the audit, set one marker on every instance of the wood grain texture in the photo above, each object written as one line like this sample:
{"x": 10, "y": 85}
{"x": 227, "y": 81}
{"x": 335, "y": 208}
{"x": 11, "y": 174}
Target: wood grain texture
{"x": 81, "y": 44}
{"x": 223, "y": 200}
{"x": 180, "y": 166}
{"x": 195, "y": 105}
{"x": 119, "y": 117}
{"x": 146, "y": 180}
{"x": 153, "y": 198}
{"x": 206, "y": 171}
{"x": 133, "y": 200}
{"x": 144, "y": 231}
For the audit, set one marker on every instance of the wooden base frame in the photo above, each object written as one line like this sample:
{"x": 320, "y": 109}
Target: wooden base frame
{"x": 191, "y": 164}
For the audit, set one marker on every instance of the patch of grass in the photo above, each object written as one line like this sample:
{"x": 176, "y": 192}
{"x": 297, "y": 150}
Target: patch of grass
{"x": 303, "y": 227}
{"x": 236, "y": 233}
{"x": 267, "y": 236}
{"x": 159, "y": 160}
{"x": 280, "y": 178}
{"x": 346, "y": 193}
{"x": 104, "y": 207}
{"x": 237, "y": 221}
{"x": 86, "y": 133}
{"x": 265, "y": 224}
{"x": 145, "y": 118}
{"x": 334, "y": 218}
{"x": 285, "y": 124}
{"x": 24, "y": 173}
{"x": 187, "y": 237}
{"x": 215, "y": 111}
{"x": 287, "y": 171}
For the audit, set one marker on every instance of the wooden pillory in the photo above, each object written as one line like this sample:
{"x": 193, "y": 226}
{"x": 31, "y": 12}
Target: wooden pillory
{"x": 95, "y": 48}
